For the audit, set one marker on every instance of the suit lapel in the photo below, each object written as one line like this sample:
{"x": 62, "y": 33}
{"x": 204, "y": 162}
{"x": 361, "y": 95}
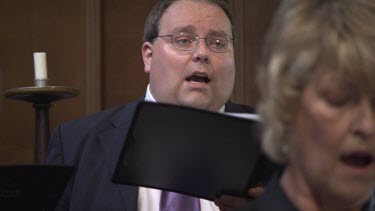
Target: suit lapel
{"x": 111, "y": 141}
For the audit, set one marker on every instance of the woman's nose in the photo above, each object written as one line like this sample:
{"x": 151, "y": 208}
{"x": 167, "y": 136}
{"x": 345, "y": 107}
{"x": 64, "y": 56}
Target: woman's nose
{"x": 365, "y": 120}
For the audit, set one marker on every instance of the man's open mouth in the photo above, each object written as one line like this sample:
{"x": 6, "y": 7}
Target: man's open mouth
{"x": 198, "y": 77}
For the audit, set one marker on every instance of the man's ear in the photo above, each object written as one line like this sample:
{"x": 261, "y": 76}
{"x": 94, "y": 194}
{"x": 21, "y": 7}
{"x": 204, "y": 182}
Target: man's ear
{"x": 147, "y": 50}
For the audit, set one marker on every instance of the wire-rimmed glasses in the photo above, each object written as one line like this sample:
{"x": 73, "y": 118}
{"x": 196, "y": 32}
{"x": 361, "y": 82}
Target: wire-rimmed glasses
{"x": 187, "y": 41}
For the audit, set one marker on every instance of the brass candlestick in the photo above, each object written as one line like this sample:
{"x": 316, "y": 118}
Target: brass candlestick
{"x": 41, "y": 95}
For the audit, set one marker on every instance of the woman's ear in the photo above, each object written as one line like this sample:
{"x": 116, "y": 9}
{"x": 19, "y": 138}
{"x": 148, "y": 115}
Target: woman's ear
{"x": 147, "y": 49}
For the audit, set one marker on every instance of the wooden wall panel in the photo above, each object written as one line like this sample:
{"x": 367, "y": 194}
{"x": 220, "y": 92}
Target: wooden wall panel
{"x": 94, "y": 55}
{"x": 252, "y": 20}
{"x": 58, "y": 28}
{"x": 124, "y": 78}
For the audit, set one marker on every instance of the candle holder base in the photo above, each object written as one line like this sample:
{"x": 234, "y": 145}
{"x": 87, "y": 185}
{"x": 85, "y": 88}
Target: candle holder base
{"x": 41, "y": 97}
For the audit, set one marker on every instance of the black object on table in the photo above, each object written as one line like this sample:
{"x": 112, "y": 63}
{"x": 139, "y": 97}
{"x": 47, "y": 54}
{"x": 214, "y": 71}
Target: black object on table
{"x": 32, "y": 187}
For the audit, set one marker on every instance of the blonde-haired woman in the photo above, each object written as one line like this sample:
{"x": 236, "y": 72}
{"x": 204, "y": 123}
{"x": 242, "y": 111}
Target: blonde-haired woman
{"x": 317, "y": 103}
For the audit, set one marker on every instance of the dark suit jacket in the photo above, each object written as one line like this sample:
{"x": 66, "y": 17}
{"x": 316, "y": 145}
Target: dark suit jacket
{"x": 92, "y": 145}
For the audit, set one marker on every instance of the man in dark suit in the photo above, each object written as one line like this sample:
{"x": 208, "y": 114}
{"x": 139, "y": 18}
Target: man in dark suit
{"x": 188, "y": 54}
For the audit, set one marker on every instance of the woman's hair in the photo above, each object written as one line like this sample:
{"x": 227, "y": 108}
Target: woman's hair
{"x": 309, "y": 36}
{"x": 151, "y": 29}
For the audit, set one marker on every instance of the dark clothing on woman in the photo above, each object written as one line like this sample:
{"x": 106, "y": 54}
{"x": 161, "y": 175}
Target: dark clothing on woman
{"x": 275, "y": 199}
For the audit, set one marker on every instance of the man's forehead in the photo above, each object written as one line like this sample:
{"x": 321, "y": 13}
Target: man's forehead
{"x": 188, "y": 16}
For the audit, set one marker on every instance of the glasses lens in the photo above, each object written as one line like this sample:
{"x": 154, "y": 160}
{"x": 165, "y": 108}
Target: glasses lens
{"x": 184, "y": 41}
{"x": 218, "y": 43}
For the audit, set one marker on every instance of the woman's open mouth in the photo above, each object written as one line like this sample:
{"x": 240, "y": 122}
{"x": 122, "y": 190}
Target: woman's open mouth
{"x": 358, "y": 159}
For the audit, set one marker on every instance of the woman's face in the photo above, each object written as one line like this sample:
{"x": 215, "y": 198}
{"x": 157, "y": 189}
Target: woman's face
{"x": 332, "y": 142}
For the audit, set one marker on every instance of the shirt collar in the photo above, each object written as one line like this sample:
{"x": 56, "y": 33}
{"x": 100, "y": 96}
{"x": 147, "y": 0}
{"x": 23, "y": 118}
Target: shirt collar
{"x": 370, "y": 206}
{"x": 151, "y": 98}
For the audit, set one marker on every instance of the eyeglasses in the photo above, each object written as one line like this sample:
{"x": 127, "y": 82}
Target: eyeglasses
{"x": 186, "y": 41}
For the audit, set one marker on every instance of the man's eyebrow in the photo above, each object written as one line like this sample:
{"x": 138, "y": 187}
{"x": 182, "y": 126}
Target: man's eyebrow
{"x": 192, "y": 29}
{"x": 188, "y": 28}
{"x": 218, "y": 32}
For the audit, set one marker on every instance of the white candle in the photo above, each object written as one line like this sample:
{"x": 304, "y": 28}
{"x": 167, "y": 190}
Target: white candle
{"x": 40, "y": 65}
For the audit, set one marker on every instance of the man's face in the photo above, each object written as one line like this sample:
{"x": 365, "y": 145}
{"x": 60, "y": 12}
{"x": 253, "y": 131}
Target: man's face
{"x": 199, "y": 78}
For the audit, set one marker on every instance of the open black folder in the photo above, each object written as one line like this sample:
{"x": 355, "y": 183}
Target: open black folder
{"x": 32, "y": 187}
{"x": 191, "y": 151}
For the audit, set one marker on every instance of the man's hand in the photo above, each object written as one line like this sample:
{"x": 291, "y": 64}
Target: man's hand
{"x": 229, "y": 203}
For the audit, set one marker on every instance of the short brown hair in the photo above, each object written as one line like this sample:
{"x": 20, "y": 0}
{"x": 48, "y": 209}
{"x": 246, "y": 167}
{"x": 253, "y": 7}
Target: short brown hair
{"x": 151, "y": 29}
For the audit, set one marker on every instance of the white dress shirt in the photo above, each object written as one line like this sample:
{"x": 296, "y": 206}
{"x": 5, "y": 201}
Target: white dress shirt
{"x": 148, "y": 198}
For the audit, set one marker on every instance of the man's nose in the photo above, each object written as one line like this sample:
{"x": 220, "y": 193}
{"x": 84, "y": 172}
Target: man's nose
{"x": 201, "y": 52}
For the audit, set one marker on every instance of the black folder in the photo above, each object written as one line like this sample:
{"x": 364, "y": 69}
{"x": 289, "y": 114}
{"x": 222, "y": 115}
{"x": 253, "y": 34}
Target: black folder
{"x": 190, "y": 151}
{"x": 32, "y": 187}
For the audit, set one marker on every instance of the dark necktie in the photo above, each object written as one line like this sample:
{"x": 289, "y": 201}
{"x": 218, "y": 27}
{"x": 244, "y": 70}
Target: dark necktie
{"x": 170, "y": 201}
